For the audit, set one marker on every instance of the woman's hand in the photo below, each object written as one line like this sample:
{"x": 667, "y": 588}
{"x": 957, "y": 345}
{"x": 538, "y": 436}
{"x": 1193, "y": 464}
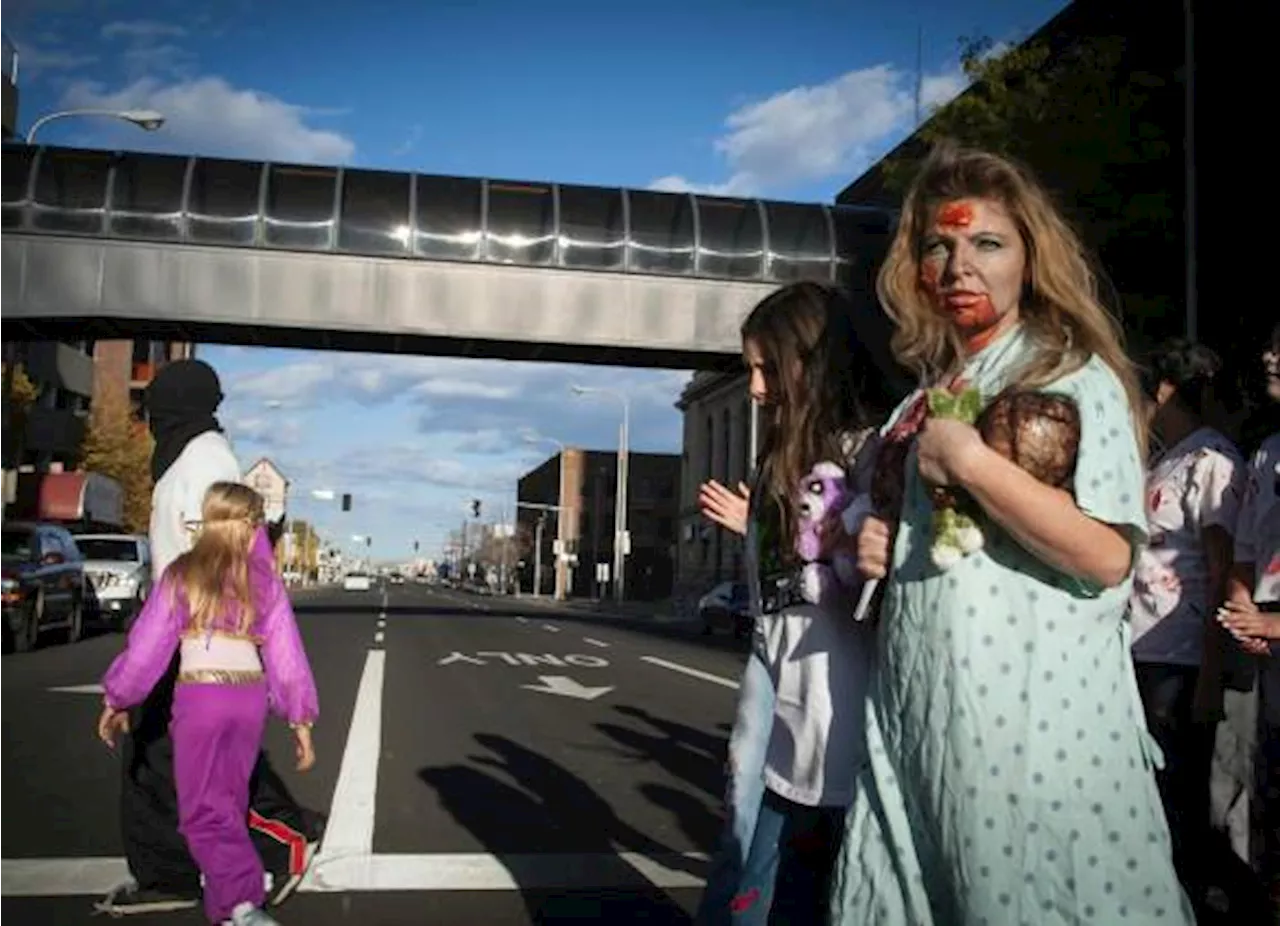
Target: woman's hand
{"x": 1243, "y": 619}
{"x": 304, "y": 749}
{"x": 873, "y": 548}
{"x": 946, "y": 450}
{"x": 724, "y": 506}
{"x": 111, "y": 722}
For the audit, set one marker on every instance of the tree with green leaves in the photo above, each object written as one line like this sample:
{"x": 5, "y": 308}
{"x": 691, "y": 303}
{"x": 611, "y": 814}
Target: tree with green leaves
{"x": 119, "y": 446}
{"x": 1102, "y": 134}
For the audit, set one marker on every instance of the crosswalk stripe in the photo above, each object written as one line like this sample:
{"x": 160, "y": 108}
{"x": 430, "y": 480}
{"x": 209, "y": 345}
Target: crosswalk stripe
{"x": 476, "y": 871}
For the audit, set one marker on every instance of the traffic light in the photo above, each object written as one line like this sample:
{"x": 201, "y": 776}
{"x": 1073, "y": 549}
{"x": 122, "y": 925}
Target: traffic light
{"x": 368, "y": 541}
{"x": 346, "y": 501}
{"x": 415, "y": 546}
{"x": 475, "y": 507}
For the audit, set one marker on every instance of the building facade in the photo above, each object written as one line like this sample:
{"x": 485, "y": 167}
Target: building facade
{"x": 719, "y": 443}
{"x": 585, "y": 534}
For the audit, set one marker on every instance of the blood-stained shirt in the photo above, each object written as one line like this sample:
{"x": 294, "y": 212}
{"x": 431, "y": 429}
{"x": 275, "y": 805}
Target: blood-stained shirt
{"x": 1197, "y": 484}
{"x": 1258, "y": 536}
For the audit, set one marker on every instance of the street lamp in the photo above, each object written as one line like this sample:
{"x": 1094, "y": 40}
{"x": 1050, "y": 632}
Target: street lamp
{"x": 146, "y": 119}
{"x": 621, "y": 537}
{"x": 563, "y": 521}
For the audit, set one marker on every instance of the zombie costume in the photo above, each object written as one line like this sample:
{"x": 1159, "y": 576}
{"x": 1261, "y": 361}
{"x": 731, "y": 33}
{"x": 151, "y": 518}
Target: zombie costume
{"x": 1010, "y": 770}
{"x": 796, "y": 745}
{"x": 225, "y": 684}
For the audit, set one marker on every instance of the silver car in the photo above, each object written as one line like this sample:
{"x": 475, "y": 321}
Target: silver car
{"x": 117, "y": 567}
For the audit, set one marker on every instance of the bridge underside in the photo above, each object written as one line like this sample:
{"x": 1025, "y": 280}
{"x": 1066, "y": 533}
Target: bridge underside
{"x": 59, "y": 287}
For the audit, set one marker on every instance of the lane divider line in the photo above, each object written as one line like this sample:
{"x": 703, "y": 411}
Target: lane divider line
{"x": 595, "y": 642}
{"x": 694, "y": 673}
{"x": 350, "y": 827}
{"x": 379, "y": 637}
{"x": 552, "y": 627}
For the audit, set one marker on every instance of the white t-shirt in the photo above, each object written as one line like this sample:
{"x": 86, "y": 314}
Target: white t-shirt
{"x": 178, "y": 497}
{"x": 819, "y": 661}
{"x": 1198, "y": 483}
{"x": 1258, "y": 533}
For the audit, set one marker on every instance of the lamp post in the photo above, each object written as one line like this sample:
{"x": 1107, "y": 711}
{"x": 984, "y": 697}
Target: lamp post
{"x": 621, "y": 537}
{"x": 564, "y": 517}
{"x": 146, "y": 119}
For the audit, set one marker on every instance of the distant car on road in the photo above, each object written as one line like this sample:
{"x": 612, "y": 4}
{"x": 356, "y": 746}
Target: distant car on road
{"x": 395, "y": 578}
{"x": 44, "y": 586}
{"x": 728, "y": 607}
{"x": 356, "y": 582}
{"x": 118, "y": 567}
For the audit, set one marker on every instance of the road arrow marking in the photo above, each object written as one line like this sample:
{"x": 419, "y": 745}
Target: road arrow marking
{"x": 79, "y": 689}
{"x": 562, "y": 685}
{"x": 595, "y": 642}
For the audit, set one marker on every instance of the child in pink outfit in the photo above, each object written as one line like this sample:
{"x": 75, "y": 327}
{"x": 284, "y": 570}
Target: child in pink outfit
{"x": 230, "y": 676}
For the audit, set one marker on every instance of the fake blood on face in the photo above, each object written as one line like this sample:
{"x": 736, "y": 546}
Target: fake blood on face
{"x": 972, "y": 313}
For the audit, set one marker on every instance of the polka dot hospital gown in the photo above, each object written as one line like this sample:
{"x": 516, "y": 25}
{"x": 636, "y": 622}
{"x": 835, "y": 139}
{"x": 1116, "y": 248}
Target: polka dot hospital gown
{"x": 1010, "y": 778}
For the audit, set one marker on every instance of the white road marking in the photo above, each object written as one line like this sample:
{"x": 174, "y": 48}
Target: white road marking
{"x": 350, "y": 827}
{"x": 522, "y": 620}
{"x": 379, "y": 637}
{"x": 695, "y": 673}
{"x": 477, "y": 871}
{"x": 595, "y": 642}
{"x": 60, "y": 877}
{"x": 552, "y": 627}
{"x": 482, "y": 872}
{"x": 568, "y": 688}
{"x": 79, "y": 689}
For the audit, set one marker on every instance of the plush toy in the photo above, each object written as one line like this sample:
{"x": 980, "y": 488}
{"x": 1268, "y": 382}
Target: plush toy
{"x": 1040, "y": 432}
{"x": 824, "y": 495}
{"x": 955, "y": 528}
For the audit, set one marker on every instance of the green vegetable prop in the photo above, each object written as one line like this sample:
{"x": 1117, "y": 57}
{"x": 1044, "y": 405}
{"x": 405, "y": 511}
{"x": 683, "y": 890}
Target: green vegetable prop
{"x": 956, "y": 533}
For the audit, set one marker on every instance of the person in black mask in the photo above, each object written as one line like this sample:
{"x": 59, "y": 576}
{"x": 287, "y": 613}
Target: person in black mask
{"x": 191, "y": 453}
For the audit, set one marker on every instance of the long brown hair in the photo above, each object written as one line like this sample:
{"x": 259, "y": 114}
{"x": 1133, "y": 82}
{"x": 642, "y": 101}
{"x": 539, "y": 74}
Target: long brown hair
{"x": 214, "y": 574}
{"x": 823, "y": 383}
{"x": 1060, "y": 308}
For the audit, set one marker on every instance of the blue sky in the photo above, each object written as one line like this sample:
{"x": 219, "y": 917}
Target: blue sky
{"x": 786, "y": 99}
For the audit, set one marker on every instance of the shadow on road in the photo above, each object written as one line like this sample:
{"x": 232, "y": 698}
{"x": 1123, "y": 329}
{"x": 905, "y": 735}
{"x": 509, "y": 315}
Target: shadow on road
{"x": 685, "y": 752}
{"x": 513, "y": 798}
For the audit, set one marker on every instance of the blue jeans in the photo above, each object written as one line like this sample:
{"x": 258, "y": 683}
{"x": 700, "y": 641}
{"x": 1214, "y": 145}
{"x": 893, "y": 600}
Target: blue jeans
{"x": 747, "y": 747}
{"x": 787, "y": 877}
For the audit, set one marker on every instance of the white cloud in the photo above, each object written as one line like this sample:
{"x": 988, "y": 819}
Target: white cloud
{"x": 209, "y": 116}
{"x": 141, "y": 30}
{"x": 33, "y": 61}
{"x": 410, "y": 142}
{"x": 805, "y": 134}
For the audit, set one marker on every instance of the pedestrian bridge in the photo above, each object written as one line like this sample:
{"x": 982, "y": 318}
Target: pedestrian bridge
{"x": 123, "y": 244}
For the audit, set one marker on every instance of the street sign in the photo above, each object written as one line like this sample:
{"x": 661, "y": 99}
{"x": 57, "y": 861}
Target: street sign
{"x": 626, "y": 543}
{"x": 567, "y": 688}
{"x": 602, "y": 572}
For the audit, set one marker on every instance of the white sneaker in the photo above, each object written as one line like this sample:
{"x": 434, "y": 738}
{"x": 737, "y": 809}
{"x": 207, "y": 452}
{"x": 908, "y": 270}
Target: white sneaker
{"x": 246, "y": 914}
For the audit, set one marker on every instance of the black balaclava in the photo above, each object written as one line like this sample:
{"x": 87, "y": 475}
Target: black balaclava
{"x": 180, "y": 404}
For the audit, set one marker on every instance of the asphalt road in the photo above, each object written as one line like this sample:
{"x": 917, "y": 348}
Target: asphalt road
{"x": 483, "y": 761}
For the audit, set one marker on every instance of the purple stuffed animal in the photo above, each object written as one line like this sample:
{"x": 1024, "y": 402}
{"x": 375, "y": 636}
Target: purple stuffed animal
{"x": 825, "y": 496}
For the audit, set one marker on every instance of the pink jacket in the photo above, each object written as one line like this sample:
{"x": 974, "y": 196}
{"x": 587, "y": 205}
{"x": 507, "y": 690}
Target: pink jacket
{"x": 154, "y": 638}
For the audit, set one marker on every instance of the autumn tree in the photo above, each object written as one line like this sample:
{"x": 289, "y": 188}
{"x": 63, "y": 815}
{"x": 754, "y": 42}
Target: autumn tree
{"x": 20, "y": 395}
{"x": 119, "y": 446}
{"x": 1102, "y": 134}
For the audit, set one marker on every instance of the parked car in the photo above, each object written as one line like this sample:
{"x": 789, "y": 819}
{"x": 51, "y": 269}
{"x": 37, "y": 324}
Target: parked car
{"x": 44, "y": 585}
{"x": 728, "y": 607}
{"x": 356, "y": 582}
{"x": 118, "y": 569}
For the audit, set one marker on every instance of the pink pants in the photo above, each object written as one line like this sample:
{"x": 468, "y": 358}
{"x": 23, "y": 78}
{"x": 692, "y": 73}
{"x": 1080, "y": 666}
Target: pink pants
{"x": 217, "y": 732}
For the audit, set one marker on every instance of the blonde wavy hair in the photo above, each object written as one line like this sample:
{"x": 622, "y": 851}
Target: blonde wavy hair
{"x": 1060, "y": 307}
{"x": 214, "y": 574}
